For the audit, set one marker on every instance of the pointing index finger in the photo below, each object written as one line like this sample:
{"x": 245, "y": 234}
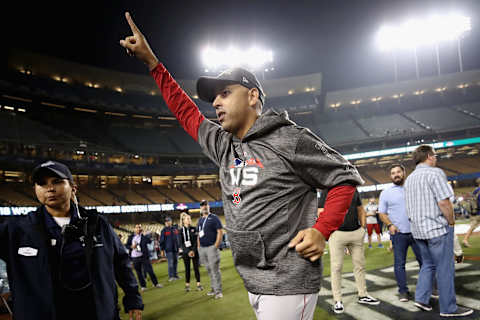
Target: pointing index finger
{"x": 132, "y": 24}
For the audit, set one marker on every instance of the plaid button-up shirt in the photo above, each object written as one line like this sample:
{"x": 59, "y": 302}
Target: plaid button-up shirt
{"x": 424, "y": 188}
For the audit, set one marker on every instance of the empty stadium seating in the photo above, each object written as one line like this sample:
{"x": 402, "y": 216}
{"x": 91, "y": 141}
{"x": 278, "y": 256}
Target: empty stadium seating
{"x": 443, "y": 118}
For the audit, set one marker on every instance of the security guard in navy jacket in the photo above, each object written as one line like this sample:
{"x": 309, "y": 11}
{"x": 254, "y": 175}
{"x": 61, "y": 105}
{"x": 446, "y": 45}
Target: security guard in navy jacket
{"x": 63, "y": 260}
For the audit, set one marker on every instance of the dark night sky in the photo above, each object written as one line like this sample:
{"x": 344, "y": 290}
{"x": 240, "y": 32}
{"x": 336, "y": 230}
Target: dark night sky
{"x": 332, "y": 37}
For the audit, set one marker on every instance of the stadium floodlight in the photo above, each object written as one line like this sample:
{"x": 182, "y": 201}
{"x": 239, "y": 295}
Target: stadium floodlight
{"x": 415, "y": 32}
{"x": 253, "y": 58}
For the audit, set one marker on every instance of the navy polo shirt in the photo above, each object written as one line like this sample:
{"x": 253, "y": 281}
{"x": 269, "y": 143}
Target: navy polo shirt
{"x": 209, "y": 225}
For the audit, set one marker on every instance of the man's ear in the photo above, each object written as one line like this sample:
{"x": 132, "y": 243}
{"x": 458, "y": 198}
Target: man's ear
{"x": 74, "y": 193}
{"x": 253, "y": 96}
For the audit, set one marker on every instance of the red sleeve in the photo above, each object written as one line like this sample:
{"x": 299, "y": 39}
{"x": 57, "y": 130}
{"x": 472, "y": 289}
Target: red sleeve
{"x": 335, "y": 208}
{"x": 184, "y": 109}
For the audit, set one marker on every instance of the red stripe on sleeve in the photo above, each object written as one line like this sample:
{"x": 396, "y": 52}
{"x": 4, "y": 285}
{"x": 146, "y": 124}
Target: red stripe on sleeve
{"x": 336, "y": 207}
{"x": 184, "y": 109}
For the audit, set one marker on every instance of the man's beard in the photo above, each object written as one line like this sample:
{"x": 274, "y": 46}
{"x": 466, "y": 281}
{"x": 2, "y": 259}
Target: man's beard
{"x": 399, "y": 182}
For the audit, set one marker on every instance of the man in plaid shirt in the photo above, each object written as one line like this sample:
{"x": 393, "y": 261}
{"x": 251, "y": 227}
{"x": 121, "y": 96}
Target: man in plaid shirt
{"x": 430, "y": 212}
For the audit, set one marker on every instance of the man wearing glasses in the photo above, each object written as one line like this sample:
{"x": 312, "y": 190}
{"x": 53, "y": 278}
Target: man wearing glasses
{"x": 63, "y": 260}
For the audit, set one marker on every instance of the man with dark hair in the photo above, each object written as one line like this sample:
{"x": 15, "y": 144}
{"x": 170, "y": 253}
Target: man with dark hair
{"x": 138, "y": 249}
{"x": 430, "y": 212}
{"x": 269, "y": 169}
{"x": 63, "y": 260}
{"x": 169, "y": 244}
{"x": 393, "y": 213}
{"x": 474, "y": 216}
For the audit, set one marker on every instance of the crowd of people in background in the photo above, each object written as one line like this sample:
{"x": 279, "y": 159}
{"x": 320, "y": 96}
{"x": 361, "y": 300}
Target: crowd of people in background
{"x": 417, "y": 212}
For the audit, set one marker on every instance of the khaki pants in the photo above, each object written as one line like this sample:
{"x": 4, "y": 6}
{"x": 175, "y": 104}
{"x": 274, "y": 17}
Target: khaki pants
{"x": 353, "y": 240}
{"x": 474, "y": 222}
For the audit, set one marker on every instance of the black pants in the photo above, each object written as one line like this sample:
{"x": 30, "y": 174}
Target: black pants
{"x": 141, "y": 264}
{"x": 195, "y": 261}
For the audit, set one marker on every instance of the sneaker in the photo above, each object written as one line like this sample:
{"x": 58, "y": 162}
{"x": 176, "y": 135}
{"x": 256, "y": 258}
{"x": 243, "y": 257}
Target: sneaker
{"x": 461, "y": 312}
{"x": 380, "y": 245}
{"x": 187, "y": 288}
{"x": 171, "y": 279}
{"x": 143, "y": 289}
{"x": 459, "y": 259}
{"x": 199, "y": 288}
{"x": 466, "y": 244}
{"x": 177, "y": 277}
{"x": 211, "y": 293}
{"x": 404, "y": 297}
{"x": 219, "y": 295}
{"x": 369, "y": 246}
{"x": 423, "y": 306}
{"x": 368, "y": 300}
{"x": 159, "y": 285}
{"x": 338, "y": 307}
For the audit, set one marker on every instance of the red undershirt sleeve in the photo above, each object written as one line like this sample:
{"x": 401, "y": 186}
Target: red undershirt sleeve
{"x": 336, "y": 207}
{"x": 184, "y": 109}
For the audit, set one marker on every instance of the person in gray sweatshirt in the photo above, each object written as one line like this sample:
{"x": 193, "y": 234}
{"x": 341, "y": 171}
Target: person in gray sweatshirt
{"x": 269, "y": 170}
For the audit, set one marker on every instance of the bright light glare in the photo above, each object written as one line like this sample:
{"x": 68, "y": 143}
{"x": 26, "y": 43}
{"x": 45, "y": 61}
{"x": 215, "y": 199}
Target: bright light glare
{"x": 414, "y": 33}
{"x": 253, "y": 58}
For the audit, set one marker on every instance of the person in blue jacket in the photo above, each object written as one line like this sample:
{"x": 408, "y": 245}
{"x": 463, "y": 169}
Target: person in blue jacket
{"x": 169, "y": 244}
{"x": 63, "y": 260}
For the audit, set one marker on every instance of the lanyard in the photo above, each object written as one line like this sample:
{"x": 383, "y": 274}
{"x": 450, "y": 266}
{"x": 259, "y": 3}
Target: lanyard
{"x": 188, "y": 233}
{"x": 205, "y": 221}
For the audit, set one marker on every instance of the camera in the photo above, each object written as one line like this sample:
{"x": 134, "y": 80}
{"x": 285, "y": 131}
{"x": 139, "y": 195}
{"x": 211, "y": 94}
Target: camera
{"x": 75, "y": 231}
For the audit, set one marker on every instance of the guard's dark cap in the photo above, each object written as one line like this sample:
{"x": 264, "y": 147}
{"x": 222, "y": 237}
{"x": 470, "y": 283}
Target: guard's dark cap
{"x": 51, "y": 169}
{"x": 168, "y": 219}
{"x": 203, "y": 203}
{"x": 208, "y": 87}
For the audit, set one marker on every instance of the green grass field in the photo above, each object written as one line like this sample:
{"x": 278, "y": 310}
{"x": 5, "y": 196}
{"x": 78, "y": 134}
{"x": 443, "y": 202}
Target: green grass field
{"x": 172, "y": 302}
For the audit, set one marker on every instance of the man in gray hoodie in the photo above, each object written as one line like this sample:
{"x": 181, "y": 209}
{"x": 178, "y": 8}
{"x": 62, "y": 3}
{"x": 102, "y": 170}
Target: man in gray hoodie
{"x": 269, "y": 171}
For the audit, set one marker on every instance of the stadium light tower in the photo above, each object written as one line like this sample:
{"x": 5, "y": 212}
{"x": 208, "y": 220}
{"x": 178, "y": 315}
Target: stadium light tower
{"x": 416, "y": 33}
{"x": 255, "y": 59}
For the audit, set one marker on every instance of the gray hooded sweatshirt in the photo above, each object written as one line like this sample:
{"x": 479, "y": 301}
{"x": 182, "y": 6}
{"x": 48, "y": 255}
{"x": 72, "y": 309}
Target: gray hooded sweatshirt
{"x": 269, "y": 180}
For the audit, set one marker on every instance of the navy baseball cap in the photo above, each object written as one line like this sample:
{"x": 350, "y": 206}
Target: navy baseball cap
{"x": 51, "y": 169}
{"x": 208, "y": 87}
{"x": 168, "y": 219}
{"x": 203, "y": 203}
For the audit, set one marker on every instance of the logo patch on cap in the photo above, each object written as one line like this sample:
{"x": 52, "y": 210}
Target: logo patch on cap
{"x": 245, "y": 80}
{"x": 47, "y": 164}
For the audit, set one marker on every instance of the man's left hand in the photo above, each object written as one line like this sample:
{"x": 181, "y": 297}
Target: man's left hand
{"x": 309, "y": 243}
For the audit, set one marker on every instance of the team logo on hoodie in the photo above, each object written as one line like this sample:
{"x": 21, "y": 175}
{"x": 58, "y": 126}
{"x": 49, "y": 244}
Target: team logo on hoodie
{"x": 245, "y": 172}
{"x": 236, "y": 196}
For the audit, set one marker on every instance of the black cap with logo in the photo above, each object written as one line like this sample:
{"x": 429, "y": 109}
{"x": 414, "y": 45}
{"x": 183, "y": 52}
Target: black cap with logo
{"x": 51, "y": 169}
{"x": 208, "y": 87}
{"x": 203, "y": 203}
